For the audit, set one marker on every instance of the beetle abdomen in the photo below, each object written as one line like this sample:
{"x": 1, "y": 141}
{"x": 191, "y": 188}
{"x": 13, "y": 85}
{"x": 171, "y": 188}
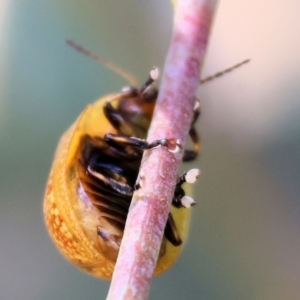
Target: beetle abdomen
{"x": 107, "y": 181}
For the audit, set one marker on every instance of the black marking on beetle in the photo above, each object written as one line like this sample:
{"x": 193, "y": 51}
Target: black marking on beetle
{"x": 108, "y": 166}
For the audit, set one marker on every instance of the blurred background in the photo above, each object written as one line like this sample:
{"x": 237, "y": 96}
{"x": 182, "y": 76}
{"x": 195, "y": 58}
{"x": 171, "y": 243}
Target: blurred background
{"x": 244, "y": 240}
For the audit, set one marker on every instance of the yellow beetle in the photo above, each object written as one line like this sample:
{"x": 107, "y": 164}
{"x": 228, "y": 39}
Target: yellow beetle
{"x": 94, "y": 175}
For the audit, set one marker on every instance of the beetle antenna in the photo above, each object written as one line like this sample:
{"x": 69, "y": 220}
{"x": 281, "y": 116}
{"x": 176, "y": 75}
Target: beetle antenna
{"x": 110, "y": 65}
{"x": 218, "y": 74}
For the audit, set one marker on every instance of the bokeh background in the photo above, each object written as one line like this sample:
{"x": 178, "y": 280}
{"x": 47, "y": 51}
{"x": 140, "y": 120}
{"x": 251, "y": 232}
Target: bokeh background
{"x": 244, "y": 241}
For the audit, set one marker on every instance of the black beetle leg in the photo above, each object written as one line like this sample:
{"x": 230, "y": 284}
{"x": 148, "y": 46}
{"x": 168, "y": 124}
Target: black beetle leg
{"x": 171, "y": 232}
{"x": 153, "y": 75}
{"x": 189, "y": 155}
{"x": 179, "y": 198}
{"x": 115, "y": 117}
{"x": 114, "y": 140}
{"x": 115, "y": 184}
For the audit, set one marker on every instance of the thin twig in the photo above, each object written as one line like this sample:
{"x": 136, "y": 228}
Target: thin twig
{"x": 150, "y": 205}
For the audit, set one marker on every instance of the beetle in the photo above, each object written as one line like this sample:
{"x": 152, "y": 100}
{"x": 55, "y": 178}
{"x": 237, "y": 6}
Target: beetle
{"x": 94, "y": 175}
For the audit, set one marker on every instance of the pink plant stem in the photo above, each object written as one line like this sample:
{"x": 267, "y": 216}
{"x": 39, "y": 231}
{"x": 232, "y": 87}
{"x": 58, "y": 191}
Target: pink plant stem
{"x": 174, "y": 110}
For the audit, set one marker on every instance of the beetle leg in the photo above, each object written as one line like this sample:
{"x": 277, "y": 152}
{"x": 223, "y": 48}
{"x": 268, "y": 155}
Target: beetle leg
{"x": 171, "y": 232}
{"x": 179, "y": 198}
{"x": 117, "y": 185}
{"x": 173, "y": 145}
{"x": 189, "y": 155}
{"x": 116, "y": 118}
{"x": 153, "y": 75}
